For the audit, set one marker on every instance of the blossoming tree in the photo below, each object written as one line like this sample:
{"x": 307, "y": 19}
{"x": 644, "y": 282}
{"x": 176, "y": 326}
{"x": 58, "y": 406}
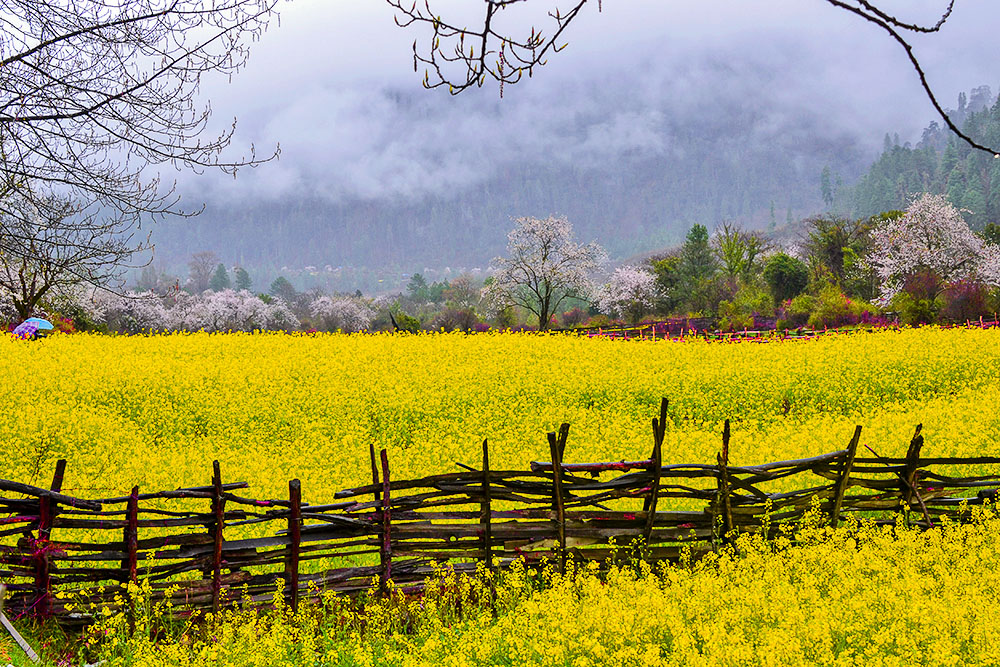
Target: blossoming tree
{"x": 631, "y": 293}
{"x": 931, "y": 236}
{"x": 544, "y": 266}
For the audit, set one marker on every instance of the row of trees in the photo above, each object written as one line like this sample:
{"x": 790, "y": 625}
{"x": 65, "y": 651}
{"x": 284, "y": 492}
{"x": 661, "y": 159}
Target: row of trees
{"x": 922, "y": 264}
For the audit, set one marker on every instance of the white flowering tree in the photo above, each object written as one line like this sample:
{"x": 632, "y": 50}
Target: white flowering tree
{"x": 132, "y": 312}
{"x": 931, "y": 236}
{"x": 230, "y": 310}
{"x": 543, "y": 267}
{"x": 342, "y": 313}
{"x": 631, "y": 293}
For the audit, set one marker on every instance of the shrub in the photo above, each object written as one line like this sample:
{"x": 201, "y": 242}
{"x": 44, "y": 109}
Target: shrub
{"x": 833, "y": 309}
{"x": 574, "y": 317}
{"x": 450, "y": 319}
{"x": 920, "y": 300}
{"x": 746, "y": 303}
{"x": 406, "y": 323}
{"x": 785, "y": 276}
{"x": 965, "y": 300}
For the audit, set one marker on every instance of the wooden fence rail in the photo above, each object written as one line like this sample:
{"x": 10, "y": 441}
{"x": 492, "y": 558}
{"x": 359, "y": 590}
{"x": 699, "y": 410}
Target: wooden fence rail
{"x": 214, "y": 548}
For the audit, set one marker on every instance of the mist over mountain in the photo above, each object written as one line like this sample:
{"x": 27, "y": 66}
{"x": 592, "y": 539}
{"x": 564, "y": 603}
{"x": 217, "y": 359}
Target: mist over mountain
{"x": 633, "y": 168}
{"x": 654, "y": 119}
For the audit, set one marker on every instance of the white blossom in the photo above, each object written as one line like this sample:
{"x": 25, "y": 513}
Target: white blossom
{"x": 631, "y": 292}
{"x": 542, "y": 268}
{"x": 931, "y": 235}
{"x": 342, "y": 313}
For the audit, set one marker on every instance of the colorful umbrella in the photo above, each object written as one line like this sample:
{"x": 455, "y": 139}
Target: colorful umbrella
{"x": 40, "y": 323}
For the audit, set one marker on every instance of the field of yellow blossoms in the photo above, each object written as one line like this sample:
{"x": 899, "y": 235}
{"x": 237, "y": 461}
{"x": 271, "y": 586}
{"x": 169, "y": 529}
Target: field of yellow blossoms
{"x": 155, "y": 411}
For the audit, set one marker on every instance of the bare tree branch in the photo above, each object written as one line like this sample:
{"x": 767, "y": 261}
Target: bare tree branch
{"x": 493, "y": 53}
{"x": 95, "y": 95}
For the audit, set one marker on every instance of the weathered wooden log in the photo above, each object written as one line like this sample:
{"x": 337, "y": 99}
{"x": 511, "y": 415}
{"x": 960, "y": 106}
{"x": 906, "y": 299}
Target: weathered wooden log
{"x": 219, "y": 511}
{"x": 486, "y": 520}
{"x": 845, "y": 477}
{"x": 195, "y": 492}
{"x": 131, "y": 536}
{"x": 649, "y": 506}
{"x": 555, "y": 450}
{"x": 725, "y": 507}
{"x": 294, "y": 551}
{"x": 385, "y": 555}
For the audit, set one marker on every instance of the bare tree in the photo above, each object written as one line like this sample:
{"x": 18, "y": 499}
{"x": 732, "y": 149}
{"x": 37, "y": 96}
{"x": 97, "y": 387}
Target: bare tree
{"x": 96, "y": 95}
{"x": 544, "y": 267}
{"x": 460, "y": 57}
{"x": 58, "y": 244}
{"x": 201, "y": 266}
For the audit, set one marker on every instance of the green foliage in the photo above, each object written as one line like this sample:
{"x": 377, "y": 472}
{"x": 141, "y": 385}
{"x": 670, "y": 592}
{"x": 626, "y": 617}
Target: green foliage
{"x": 668, "y": 279}
{"x": 991, "y": 233}
{"x": 940, "y": 164}
{"x": 786, "y": 276}
{"x": 220, "y": 279}
{"x": 914, "y": 310}
{"x": 739, "y": 252}
{"x": 738, "y": 313}
{"x": 832, "y": 239}
{"x": 697, "y": 268}
{"x": 242, "y": 279}
{"x": 417, "y": 287}
{"x": 406, "y": 323}
{"x": 832, "y": 308}
{"x": 283, "y": 289}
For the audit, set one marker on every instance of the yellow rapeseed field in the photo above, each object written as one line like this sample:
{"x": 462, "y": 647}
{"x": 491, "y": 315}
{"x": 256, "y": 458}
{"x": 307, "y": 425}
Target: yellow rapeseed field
{"x": 155, "y": 411}
{"x": 856, "y": 596}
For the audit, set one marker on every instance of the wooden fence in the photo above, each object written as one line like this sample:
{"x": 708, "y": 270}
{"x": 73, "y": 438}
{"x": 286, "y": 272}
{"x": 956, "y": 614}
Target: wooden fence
{"x": 761, "y": 328}
{"x": 397, "y": 529}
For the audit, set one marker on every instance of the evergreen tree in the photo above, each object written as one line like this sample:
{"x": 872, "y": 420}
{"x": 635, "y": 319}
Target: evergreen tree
{"x": 220, "y": 279}
{"x": 242, "y": 279}
{"x": 697, "y": 269}
{"x": 283, "y": 289}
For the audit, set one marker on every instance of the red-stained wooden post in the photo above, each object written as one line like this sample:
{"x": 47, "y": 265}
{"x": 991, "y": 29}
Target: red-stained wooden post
{"x": 386, "y": 551}
{"x": 130, "y": 565}
{"x": 295, "y": 534}
{"x": 46, "y": 513}
{"x": 219, "y": 512}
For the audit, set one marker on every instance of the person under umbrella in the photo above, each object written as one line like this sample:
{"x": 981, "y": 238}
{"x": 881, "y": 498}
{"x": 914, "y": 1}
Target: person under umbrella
{"x": 32, "y": 328}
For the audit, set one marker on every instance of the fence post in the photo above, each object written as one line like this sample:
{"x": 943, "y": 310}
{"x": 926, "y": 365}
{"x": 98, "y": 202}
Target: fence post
{"x": 219, "y": 512}
{"x": 909, "y": 477}
{"x": 486, "y": 517}
{"x": 649, "y": 506}
{"x": 295, "y": 534}
{"x": 845, "y": 475}
{"x": 556, "y": 446}
{"x": 375, "y": 476}
{"x": 47, "y": 509}
{"x": 386, "y": 551}
{"x": 130, "y": 564}
{"x": 723, "y": 482}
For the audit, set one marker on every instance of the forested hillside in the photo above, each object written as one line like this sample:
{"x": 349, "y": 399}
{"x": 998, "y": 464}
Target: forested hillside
{"x": 721, "y": 158}
{"x": 941, "y": 164}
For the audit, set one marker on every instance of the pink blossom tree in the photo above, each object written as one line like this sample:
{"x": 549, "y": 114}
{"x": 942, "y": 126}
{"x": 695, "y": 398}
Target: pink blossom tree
{"x": 931, "y": 237}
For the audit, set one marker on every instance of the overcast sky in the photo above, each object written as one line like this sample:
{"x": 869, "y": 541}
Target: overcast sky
{"x": 335, "y": 86}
